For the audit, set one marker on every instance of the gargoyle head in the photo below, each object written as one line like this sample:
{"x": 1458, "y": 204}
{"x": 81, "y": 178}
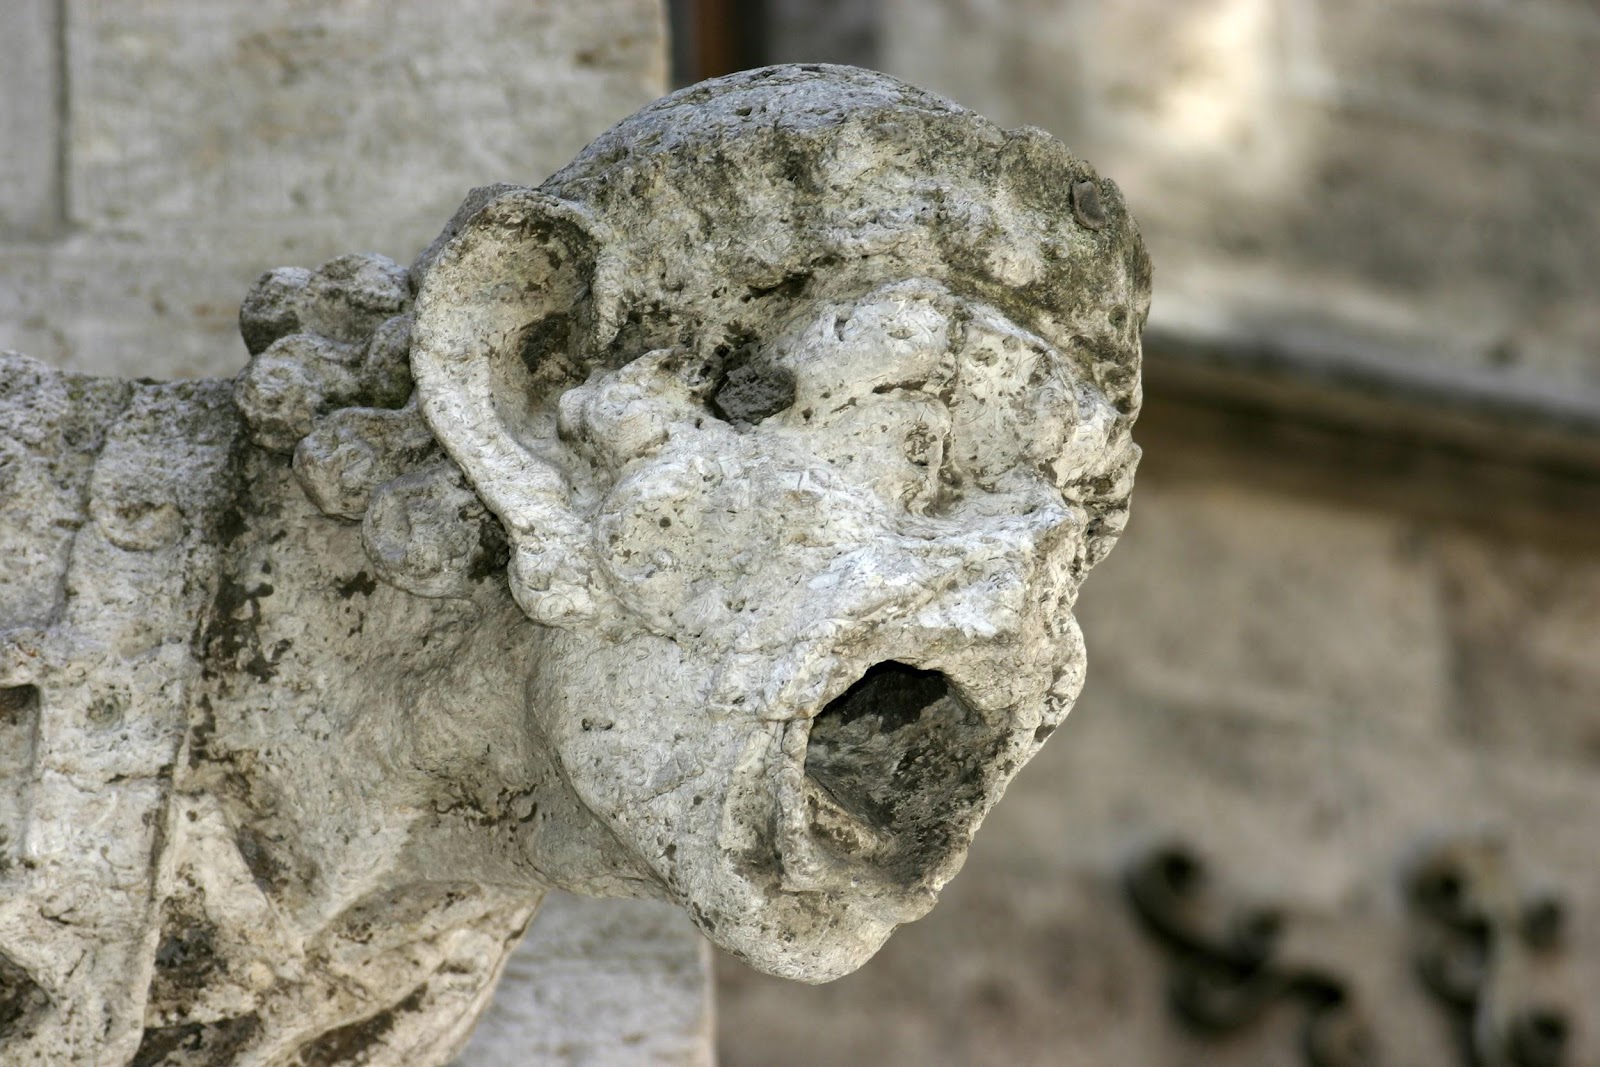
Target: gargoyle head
{"x": 804, "y": 398}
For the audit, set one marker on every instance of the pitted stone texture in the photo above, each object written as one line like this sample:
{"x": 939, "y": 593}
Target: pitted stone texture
{"x": 328, "y": 343}
{"x": 97, "y": 675}
{"x": 355, "y": 450}
{"x": 323, "y": 340}
{"x": 344, "y": 300}
{"x": 724, "y": 553}
{"x": 854, "y": 395}
{"x": 185, "y": 669}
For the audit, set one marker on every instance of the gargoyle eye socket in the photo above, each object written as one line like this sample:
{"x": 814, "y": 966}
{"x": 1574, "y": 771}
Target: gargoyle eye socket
{"x": 751, "y": 392}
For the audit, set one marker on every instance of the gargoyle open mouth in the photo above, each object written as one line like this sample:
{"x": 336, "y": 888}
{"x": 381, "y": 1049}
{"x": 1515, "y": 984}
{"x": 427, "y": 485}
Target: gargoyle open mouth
{"x": 884, "y": 787}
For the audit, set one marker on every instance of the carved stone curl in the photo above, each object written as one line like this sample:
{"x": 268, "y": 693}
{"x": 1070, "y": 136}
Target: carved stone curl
{"x": 1228, "y": 974}
{"x": 724, "y": 552}
{"x": 1483, "y": 948}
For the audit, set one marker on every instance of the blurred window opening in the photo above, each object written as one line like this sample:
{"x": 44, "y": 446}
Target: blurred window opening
{"x": 715, "y": 37}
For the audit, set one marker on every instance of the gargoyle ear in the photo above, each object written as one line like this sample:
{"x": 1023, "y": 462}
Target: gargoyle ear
{"x": 516, "y": 292}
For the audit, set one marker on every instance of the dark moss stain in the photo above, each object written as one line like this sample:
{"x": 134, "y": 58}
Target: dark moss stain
{"x": 158, "y": 1043}
{"x": 19, "y": 704}
{"x": 230, "y": 525}
{"x": 21, "y": 998}
{"x": 158, "y": 827}
{"x": 261, "y": 668}
{"x": 232, "y": 630}
{"x": 197, "y": 1044}
{"x": 229, "y": 633}
{"x": 494, "y": 550}
{"x": 750, "y": 393}
{"x": 798, "y": 166}
{"x": 648, "y": 324}
{"x": 547, "y": 336}
{"x": 501, "y": 811}
{"x": 264, "y": 839}
{"x": 201, "y": 733}
{"x": 363, "y": 583}
{"x": 186, "y": 956}
{"x": 738, "y": 342}
{"x": 347, "y": 1044}
{"x": 791, "y": 287}
{"x": 266, "y": 869}
{"x": 229, "y": 629}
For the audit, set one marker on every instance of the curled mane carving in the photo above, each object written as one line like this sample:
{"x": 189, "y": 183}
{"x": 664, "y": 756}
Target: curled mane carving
{"x": 329, "y": 382}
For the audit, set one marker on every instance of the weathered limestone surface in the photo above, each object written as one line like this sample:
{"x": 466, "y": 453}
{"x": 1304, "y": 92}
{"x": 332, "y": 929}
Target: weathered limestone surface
{"x": 703, "y": 525}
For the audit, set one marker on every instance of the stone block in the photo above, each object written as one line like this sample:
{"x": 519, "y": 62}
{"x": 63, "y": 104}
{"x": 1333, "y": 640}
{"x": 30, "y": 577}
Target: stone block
{"x": 1017, "y": 62}
{"x": 1484, "y": 247}
{"x": 1523, "y": 621}
{"x": 30, "y": 113}
{"x": 287, "y": 132}
{"x": 612, "y": 982}
{"x": 1219, "y": 598}
{"x": 828, "y": 31}
{"x": 312, "y": 114}
{"x": 1463, "y": 66}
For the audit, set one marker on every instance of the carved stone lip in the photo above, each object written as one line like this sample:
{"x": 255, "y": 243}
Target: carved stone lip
{"x": 879, "y": 792}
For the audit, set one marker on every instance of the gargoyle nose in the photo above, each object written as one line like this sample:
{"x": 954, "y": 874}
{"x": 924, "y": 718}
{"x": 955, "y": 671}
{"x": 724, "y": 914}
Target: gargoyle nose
{"x": 1008, "y": 570}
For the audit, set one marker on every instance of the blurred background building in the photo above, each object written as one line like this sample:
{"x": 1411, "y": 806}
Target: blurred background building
{"x": 1357, "y": 609}
{"x": 1358, "y": 602}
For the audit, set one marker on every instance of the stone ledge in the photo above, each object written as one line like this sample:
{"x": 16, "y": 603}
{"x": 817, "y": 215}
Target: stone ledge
{"x": 1371, "y": 395}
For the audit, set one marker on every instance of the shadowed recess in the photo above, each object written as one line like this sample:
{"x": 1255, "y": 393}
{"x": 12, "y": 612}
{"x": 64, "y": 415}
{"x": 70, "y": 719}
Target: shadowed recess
{"x": 894, "y": 692}
{"x": 20, "y": 997}
{"x": 903, "y": 753}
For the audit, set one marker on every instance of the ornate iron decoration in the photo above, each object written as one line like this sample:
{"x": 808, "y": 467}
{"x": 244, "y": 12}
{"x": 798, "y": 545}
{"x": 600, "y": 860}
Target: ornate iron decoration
{"x": 1484, "y": 952}
{"x": 1483, "y": 945}
{"x": 1226, "y": 974}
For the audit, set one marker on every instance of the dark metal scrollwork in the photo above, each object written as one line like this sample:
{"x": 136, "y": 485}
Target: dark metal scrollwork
{"x": 1481, "y": 942}
{"x": 1226, "y": 975}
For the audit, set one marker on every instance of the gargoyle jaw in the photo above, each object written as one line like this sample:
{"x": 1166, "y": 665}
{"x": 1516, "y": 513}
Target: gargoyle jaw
{"x": 883, "y": 789}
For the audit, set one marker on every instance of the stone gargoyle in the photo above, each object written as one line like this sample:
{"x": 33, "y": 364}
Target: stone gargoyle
{"x": 703, "y": 524}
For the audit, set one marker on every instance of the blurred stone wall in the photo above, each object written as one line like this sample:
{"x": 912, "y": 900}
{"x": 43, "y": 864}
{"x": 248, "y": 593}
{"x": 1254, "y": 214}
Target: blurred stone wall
{"x": 1420, "y": 173}
{"x": 602, "y": 982}
{"x": 157, "y": 155}
{"x": 1358, "y": 602}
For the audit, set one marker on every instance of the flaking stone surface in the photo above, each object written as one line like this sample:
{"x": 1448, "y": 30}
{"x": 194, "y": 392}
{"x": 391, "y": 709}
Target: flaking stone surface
{"x": 724, "y": 552}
